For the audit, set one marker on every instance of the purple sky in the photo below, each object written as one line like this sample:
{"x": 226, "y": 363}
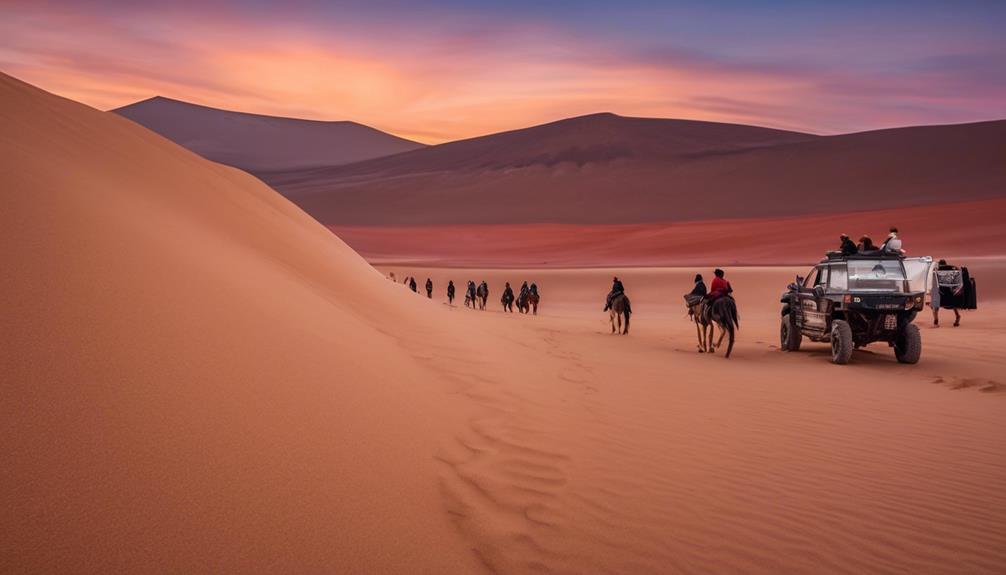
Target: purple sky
{"x": 442, "y": 70}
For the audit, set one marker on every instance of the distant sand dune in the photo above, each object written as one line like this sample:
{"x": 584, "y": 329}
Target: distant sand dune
{"x": 606, "y": 169}
{"x": 256, "y": 142}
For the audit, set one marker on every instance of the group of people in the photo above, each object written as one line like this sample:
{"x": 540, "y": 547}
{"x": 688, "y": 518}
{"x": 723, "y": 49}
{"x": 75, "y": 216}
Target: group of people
{"x": 891, "y": 245}
{"x": 473, "y": 291}
{"x": 411, "y": 282}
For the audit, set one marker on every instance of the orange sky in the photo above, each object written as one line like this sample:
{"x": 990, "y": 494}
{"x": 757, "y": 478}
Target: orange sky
{"x": 439, "y": 82}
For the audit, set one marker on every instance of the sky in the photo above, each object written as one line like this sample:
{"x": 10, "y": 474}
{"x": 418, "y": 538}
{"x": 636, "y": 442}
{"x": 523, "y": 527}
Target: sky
{"x": 438, "y": 71}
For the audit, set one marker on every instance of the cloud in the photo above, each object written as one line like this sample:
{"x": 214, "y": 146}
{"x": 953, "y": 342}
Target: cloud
{"x": 445, "y": 72}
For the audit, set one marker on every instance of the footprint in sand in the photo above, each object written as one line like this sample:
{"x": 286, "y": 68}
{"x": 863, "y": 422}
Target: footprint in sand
{"x": 958, "y": 383}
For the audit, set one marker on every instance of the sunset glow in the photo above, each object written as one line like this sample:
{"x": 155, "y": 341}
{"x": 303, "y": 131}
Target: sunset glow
{"x": 451, "y": 70}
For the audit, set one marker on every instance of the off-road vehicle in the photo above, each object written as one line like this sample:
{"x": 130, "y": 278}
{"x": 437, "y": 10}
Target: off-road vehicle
{"x": 852, "y": 301}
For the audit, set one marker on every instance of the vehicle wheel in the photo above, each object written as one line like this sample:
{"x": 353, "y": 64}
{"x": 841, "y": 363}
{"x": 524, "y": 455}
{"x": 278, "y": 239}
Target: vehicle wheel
{"x": 908, "y": 346}
{"x": 841, "y": 342}
{"x": 789, "y": 336}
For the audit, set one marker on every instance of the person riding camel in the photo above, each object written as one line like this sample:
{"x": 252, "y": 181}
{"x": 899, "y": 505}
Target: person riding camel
{"x": 429, "y": 288}
{"x": 412, "y": 284}
{"x": 848, "y": 247}
{"x": 616, "y": 288}
{"x": 507, "y": 298}
{"x": 534, "y": 288}
{"x": 698, "y": 292}
{"x": 719, "y": 287}
{"x": 523, "y": 288}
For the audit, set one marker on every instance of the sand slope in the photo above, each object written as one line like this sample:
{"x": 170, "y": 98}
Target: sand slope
{"x": 190, "y": 366}
{"x": 606, "y": 169}
{"x": 256, "y": 142}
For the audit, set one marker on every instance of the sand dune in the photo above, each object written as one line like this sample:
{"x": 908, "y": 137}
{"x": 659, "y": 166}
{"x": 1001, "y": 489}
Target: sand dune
{"x": 605, "y": 169}
{"x": 189, "y": 370}
{"x": 969, "y": 229}
{"x": 197, "y": 377}
{"x": 256, "y": 142}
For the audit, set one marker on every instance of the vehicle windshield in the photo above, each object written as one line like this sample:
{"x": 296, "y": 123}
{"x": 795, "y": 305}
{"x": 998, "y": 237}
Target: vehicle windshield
{"x": 876, "y": 275}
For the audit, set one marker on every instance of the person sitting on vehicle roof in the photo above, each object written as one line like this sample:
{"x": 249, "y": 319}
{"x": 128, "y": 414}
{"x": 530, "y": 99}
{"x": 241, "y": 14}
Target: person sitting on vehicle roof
{"x": 892, "y": 245}
{"x": 866, "y": 245}
{"x": 848, "y": 247}
{"x": 719, "y": 287}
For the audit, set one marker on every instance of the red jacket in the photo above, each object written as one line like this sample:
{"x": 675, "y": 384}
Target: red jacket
{"x": 719, "y": 288}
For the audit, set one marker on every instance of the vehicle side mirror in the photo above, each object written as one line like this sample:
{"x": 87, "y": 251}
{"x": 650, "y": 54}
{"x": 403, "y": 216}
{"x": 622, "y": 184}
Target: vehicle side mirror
{"x": 818, "y": 291}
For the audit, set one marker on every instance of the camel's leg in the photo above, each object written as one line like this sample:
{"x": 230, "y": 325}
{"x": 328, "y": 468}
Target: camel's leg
{"x": 698, "y": 335}
{"x": 723, "y": 332}
{"x": 710, "y": 333}
{"x": 611, "y": 317}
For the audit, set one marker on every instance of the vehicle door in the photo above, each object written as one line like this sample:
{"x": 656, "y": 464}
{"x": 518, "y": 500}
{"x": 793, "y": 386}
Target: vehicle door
{"x": 810, "y": 318}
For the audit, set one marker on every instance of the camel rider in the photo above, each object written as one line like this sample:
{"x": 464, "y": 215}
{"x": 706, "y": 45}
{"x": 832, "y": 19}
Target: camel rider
{"x": 523, "y": 288}
{"x": 412, "y": 284}
{"x": 507, "y": 292}
{"x": 616, "y": 288}
{"x": 429, "y": 288}
{"x": 698, "y": 292}
{"x": 720, "y": 286}
{"x": 534, "y": 288}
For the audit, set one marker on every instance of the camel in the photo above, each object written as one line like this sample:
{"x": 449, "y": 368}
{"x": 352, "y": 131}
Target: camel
{"x": 620, "y": 308}
{"x": 722, "y": 313}
{"x": 471, "y": 295}
{"x": 482, "y": 295}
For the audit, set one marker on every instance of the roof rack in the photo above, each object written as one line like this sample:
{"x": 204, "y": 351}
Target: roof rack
{"x": 837, "y": 256}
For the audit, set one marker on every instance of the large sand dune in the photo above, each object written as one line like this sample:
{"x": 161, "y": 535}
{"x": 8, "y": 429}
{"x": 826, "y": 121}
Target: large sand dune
{"x": 605, "y": 169}
{"x": 193, "y": 375}
{"x": 256, "y": 142}
{"x": 196, "y": 377}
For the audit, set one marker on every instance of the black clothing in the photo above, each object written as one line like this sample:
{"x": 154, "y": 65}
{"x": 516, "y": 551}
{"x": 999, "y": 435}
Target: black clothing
{"x": 699, "y": 289}
{"x": 616, "y": 288}
{"x": 450, "y": 290}
{"x": 412, "y": 284}
{"x": 849, "y": 247}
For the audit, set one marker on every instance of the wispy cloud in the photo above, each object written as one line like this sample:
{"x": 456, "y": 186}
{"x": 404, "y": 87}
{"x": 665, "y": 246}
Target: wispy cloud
{"x": 451, "y": 71}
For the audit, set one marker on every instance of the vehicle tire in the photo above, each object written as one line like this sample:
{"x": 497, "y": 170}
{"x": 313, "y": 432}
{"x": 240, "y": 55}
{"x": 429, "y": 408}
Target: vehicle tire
{"x": 841, "y": 342}
{"x": 789, "y": 335}
{"x": 908, "y": 346}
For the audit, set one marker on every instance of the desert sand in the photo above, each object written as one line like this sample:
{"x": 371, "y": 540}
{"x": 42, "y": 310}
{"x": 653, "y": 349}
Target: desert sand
{"x": 951, "y": 231}
{"x": 606, "y": 169}
{"x": 598, "y": 453}
{"x": 198, "y": 377}
{"x": 257, "y": 142}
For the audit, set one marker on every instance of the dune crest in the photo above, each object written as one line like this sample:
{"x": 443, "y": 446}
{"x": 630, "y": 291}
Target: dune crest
{"x": 257, "y": 142}
{"x": 605, "y": 169}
